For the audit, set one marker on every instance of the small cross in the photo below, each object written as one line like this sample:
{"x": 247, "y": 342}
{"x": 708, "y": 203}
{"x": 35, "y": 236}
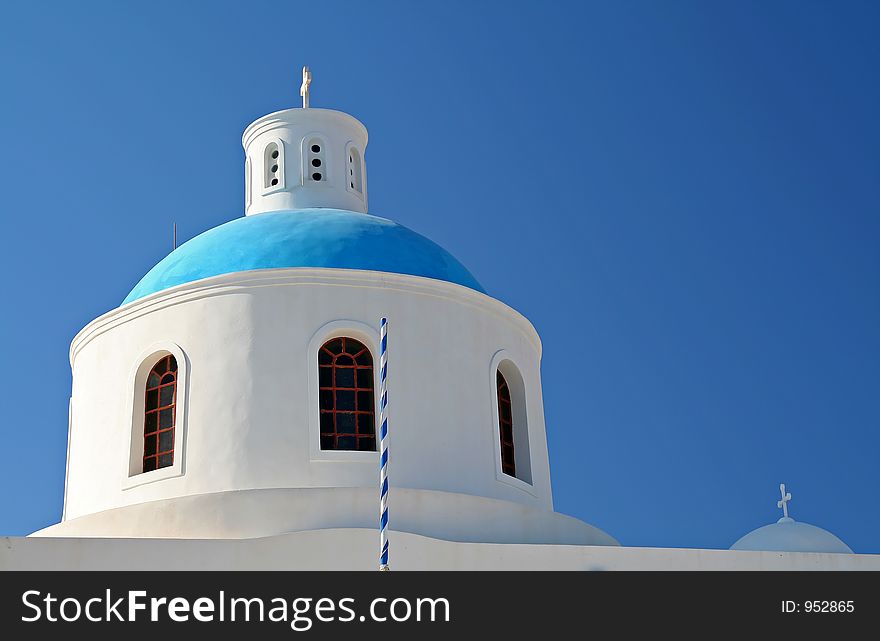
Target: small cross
{"x": 783, "y": 502}
{"x": 304, "y": 88}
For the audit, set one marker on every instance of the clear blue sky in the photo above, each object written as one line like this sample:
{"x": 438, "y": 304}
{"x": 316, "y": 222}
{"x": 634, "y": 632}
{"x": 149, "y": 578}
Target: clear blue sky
{"x": 683, "y": 197}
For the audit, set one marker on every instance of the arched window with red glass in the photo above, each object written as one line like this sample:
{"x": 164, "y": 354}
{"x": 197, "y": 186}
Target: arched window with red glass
{"x": 514, "y": 460}
{"x": 160, "y": 414}
{"x": 505, "y": 425}
{"x": 347, "y": 411}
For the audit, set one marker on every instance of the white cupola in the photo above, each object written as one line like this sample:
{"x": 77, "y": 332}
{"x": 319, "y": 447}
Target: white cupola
{"x": 305, "y": 158}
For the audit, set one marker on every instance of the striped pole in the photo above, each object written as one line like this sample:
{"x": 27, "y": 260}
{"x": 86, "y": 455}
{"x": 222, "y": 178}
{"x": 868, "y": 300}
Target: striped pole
{"x": 383, "y": 446}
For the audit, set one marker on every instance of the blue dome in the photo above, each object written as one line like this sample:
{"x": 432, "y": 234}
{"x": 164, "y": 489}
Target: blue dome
{"x": 304, "y": 238}
{"x": 789, "y": 535}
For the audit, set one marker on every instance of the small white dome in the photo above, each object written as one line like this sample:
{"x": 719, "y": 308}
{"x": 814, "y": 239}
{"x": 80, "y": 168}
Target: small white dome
{"x": 788, "y": 535}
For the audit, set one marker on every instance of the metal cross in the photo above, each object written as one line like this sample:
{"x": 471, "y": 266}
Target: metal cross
{"x": 304, "y": 88}
{"x": 783, "y": 502}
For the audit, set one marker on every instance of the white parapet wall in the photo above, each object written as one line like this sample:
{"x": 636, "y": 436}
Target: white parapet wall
{"x": 357, "y": 549}
{"x": 261, "y": 513}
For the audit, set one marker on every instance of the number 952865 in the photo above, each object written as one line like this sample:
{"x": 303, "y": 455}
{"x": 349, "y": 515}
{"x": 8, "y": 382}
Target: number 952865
{"x": 829, "y": 606}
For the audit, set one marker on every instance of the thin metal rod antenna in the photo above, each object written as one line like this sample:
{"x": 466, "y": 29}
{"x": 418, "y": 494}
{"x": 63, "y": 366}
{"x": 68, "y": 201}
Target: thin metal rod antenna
{"x": 174, "y": 237}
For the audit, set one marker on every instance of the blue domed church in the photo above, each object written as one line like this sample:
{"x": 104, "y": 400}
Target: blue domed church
{"x": 312, "y": 386}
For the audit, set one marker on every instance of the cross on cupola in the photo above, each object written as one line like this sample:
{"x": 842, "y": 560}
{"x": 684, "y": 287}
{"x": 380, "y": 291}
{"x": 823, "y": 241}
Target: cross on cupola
{"x": 783, "y": 502}
{"x": 304, "y": 87}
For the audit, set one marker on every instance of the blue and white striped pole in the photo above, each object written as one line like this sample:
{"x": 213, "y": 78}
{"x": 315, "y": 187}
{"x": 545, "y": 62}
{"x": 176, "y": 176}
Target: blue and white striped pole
{"x": 383, "y": 445}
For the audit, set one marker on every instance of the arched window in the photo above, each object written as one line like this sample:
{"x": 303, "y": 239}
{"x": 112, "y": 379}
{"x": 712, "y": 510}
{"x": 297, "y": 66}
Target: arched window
{"x": 160, "y": 409}
{"x": 355, "y": 171}
{"x": 247, "y": 183}
{"x": 513, "y": 454}
{"x": 505, "y": 425}
{"x": 345, "y": 375}
{"x": 273, "y": 166}
{"x": 314, "y": 160}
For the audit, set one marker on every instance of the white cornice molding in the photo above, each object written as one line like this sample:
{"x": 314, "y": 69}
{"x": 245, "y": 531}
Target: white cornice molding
{"x": 295, "y": 276}
{"x": 285, "y": 117}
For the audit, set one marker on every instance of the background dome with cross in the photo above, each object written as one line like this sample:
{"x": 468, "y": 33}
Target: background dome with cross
{"x": 788, "y": 535}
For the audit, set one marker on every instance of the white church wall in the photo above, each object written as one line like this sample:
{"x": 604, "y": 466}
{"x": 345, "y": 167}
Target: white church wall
{"x": 248, "y": 340}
